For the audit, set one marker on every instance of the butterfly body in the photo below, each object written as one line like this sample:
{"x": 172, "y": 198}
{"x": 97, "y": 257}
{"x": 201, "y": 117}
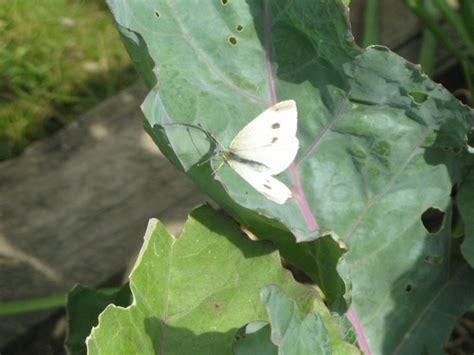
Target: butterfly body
{"x": 230, "y": 157}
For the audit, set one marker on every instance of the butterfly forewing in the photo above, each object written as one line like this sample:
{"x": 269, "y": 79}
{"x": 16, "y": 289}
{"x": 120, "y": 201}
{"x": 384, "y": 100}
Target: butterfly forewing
{"x": 270, "y": 139}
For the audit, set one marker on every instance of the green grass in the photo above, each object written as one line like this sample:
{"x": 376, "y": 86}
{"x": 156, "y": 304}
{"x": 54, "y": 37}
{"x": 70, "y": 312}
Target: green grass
{"x": 58, "y": 58}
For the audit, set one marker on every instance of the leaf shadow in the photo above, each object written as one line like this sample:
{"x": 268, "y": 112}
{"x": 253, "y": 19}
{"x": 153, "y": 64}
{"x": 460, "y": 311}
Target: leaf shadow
{"x": 293, "y": 56}
{"x": 169, "y": 339}
{"x": 232, "y": 232}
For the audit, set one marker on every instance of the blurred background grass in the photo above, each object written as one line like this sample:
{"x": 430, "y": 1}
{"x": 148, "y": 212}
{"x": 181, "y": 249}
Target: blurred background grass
{"x": 57, "y": 59}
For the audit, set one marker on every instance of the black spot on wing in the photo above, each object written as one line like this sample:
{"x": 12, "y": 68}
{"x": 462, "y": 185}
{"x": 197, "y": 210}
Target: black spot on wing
{"x": 267, "y": 186}
{"x": 274, "y": 139}
{"x": 276, "y": 125}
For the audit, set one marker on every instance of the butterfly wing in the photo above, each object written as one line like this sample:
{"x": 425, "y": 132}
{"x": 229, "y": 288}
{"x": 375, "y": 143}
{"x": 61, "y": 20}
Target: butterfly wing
{"x": 267, "y": 185}
{"x": 270, "y": 139}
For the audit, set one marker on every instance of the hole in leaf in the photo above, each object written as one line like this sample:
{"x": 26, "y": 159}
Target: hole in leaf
{"x": 433, "y": 219}
{"x": 239, "y": 28}
{"x": 224, "y": 2}
{"x": 233, "y": 41}
{"x": 418, "y": 97}
{"x": 457, "y": 150}
{"x": 381, "y": 48}
{"x": 434, "y": 259}
{"x": 157, "y": 14}
{"x": 408, "y": 288}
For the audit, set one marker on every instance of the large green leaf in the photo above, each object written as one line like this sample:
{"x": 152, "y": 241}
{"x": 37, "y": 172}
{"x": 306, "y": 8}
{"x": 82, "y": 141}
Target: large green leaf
{"x": 192, "y": 294}
{"x": 352, "y": 104}
{"x": 379, "y": 144}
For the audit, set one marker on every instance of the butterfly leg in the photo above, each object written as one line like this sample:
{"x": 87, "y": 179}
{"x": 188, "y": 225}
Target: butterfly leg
{"x": 217, "y": 169}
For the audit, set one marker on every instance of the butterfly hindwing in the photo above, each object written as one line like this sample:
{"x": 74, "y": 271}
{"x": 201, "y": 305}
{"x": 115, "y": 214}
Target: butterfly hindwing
{"x": 267, "y": 185}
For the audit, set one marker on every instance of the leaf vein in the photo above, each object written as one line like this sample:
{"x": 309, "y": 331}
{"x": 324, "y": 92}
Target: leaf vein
{"x": 382, "y": 193}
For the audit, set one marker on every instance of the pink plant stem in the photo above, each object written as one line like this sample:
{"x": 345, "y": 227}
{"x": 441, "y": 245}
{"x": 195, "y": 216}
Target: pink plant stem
{"x": 300, "y": 197}
{"x": 359, "y": 331}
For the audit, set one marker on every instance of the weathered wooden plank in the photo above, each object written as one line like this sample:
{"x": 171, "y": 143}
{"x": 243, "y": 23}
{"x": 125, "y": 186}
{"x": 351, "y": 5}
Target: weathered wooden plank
{"x": 397, "y": 25}
{"x": 74, "y": 208}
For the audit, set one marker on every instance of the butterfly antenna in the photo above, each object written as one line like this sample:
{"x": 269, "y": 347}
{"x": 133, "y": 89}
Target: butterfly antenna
{"x": 205, "y": 161}
{"x": 200, "y": 127}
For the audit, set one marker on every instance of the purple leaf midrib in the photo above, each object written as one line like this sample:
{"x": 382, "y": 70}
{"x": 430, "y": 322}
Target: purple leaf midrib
{"x": 298, "y": 192}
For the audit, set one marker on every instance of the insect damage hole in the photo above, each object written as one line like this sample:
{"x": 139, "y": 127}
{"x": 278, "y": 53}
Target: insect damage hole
{"x": 224, "y": 2}
{"x": 233, "y": 40}
{"x": 434, "y": 259}
{"x": 433, "y": 220}
{"x": 408, "y": 288}
{"x": 239, "y": 28}
{"x": 418, "y": 97}
{"x": 157, "y": 14}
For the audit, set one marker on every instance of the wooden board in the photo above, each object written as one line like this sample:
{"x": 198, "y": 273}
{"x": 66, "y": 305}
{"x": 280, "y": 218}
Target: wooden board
{"x": 397, "y": 25}
{"x": 74, "y": 208}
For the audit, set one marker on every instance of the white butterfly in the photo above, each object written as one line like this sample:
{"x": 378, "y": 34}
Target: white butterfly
{"x": 264, "y": 147}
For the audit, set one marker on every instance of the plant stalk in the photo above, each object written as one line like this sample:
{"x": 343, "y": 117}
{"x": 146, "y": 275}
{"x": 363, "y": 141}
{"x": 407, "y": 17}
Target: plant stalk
{"x": 39, "y": 304}
{"x": 371, "y": 27}
{"x": 426, "y": 56}
{"x": 428, "y": 21}
{"x": 32, "y": 305}
{"x": 455, "y": 20}
{"x": 466, "y": 9}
